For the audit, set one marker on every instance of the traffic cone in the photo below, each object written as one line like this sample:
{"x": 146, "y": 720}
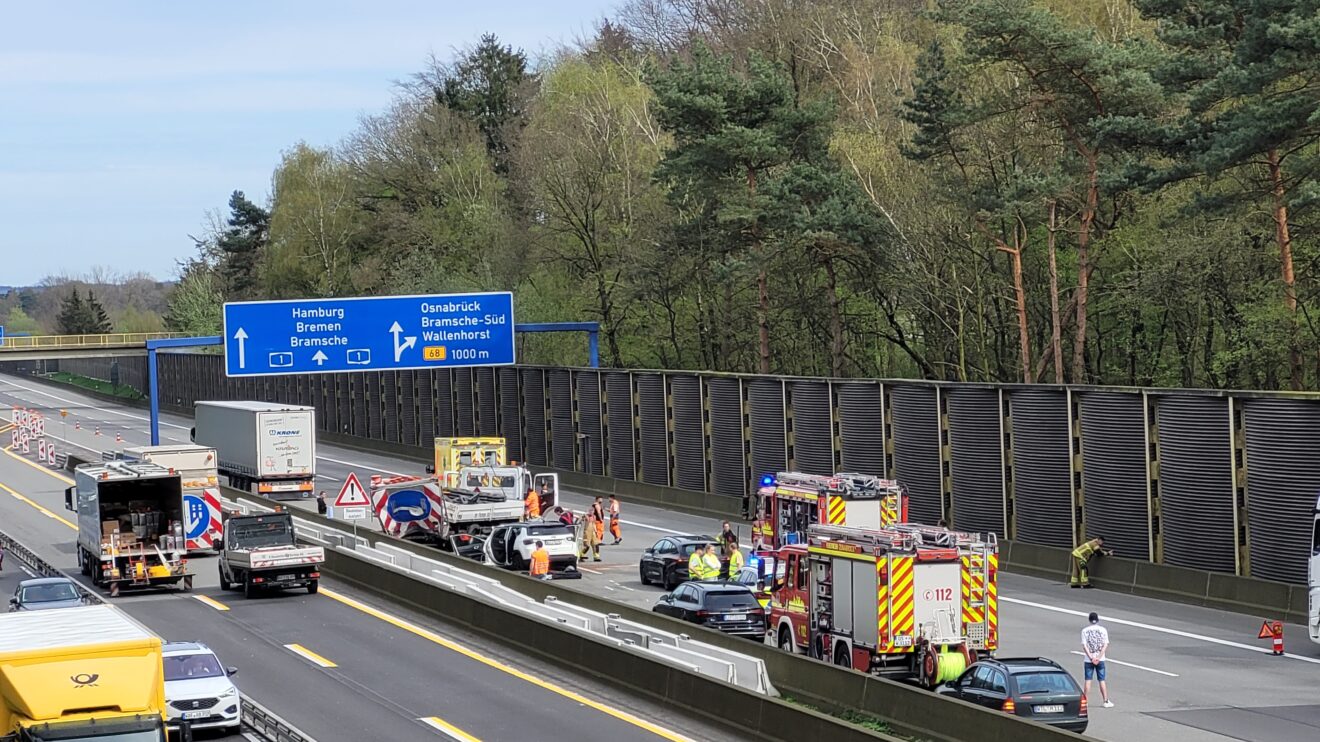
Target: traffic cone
{"x": 98, "y": 429}
{"x": 119, "y": 437}
{"x": 77, "y": 425}
{"x": 1278, "y": 640}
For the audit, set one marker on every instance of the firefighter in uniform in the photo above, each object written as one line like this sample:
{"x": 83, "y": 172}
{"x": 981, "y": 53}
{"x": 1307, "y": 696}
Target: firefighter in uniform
{"x": 591, "y": 537}
{"x": 615, "y": 530}
{"x": 1081, "y": 558}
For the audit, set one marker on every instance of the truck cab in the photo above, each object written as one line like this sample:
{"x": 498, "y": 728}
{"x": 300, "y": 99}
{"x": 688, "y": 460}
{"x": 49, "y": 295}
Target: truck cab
{"x": 512, "y": 482}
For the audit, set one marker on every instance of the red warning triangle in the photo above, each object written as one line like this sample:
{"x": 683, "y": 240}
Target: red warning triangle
{"x": 352, "y": 495}
{"x": 1266, "y": 631}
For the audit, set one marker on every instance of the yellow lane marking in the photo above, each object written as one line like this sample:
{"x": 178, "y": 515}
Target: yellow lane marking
{"x": 211, "y": 602}
{"x": 447, "y": 729}
{"x": 36, "y": 466}
{"x": 39, "y": 508}
{"x": 309, "y": 655}
{"x": 473, "y": 655}
{"x": 7, "y": 428}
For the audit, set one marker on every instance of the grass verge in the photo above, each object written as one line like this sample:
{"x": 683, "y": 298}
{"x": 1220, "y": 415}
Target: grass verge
{"x": 96, "y": 385}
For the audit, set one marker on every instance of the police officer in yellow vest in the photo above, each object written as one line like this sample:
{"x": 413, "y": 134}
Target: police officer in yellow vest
{"x": 1081, "y": 557}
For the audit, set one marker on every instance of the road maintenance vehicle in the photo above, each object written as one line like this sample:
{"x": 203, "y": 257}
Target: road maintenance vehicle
{"x": 261, "y": 552}
{"x": 788, "y": 502}
{"x": 197, "y": 468}
{"x": 906, "y": 600}
{"x": 130, "y": 525}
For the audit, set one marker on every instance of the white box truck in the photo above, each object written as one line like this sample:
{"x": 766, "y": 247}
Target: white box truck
{"x": 130, "y": 525}
{"x": 264, "y": 448}
{"x": 197, "y": 468}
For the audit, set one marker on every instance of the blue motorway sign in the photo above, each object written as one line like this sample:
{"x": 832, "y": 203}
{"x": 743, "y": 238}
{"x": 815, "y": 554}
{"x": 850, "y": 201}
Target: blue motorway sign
{"x": 376, "y": 333}
{"x": 2, "y": 334}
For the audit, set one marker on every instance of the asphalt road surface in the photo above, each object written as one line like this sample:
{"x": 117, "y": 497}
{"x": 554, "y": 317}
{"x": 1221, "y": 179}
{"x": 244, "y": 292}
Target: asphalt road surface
{"x": 1175, "y": 671}
{"x": 339, "y": 665}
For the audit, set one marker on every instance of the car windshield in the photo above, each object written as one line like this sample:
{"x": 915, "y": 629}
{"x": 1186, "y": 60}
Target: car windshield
{"x": 256, "y": 534}
{"x": 1040, "y": 683}
{"x": 719, "y": 600}
{"x": 48, "y": 593}
{"x": 189, "y": 666}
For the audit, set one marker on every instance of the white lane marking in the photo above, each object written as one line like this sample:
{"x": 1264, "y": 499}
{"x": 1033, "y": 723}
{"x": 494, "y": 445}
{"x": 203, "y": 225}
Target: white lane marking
{"x": 589, "y": 569}
{"x": 27, "y": 571}
{"x": 1160, "y": 629}
{"x": 624, "y": 587}
{"x": 1129, "y": 664}
{"x": 68, "y": 401}
{"x": 327, "y": 477}
{"x": 363, "y": 466}
{"x": 607, "y": 587}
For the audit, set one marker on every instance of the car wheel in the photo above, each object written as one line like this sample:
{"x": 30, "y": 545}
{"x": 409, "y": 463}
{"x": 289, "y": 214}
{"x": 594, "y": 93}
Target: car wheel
{"x": 249, "y": 588}
{"x": 841, "y": 657}
{"x": 313, "y": 586}
{"x": 224, "y": 583}
{"x": 671, "y": 579}
{"x": 641, "y": 574}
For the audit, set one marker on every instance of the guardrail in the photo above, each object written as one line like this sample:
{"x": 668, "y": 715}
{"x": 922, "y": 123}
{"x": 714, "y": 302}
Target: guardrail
{"x": 906, "y": 709}
{"x": 257, "y": 719}
{"x": 113, "y": 339}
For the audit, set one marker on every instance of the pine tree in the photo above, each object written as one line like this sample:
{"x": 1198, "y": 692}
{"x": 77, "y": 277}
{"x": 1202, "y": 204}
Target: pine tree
{"x": 241, "y": 246}
{"x": 491, "y": 86}
{"x": 73, "y": 315}
{"x": 97, "y": 321}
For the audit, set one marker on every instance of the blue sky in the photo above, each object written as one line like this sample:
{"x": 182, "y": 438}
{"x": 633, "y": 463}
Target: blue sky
{"x": 122, "y": 123}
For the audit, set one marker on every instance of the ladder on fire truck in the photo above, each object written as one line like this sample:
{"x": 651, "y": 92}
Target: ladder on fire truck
{"x": 975, "y": 550}
{"x": 889, "y": 539}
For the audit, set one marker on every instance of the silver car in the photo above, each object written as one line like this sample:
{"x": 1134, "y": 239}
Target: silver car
{"x": 46, "y": 593}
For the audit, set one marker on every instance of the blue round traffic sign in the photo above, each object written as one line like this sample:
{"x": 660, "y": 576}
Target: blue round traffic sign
{"x": 406, "y": 506}
{"x": 196, "y": 516}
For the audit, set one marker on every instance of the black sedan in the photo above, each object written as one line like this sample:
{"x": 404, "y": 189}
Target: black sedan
{"x": 46, "y": 593}
{"x": 666, "y": 562}
{"x": 1035, "y": 687}
{"x": 727, "y": 606}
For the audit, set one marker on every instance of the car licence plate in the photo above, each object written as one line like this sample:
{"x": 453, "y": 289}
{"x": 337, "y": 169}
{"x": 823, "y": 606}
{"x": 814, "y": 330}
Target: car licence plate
{"x": 735, "y": 617}
{"x": 1051, "y": 709}
{"x": 196, "y": 714}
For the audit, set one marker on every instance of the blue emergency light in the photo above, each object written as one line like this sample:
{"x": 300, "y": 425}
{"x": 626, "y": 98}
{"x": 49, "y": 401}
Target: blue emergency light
{"x": 767, "y": 480}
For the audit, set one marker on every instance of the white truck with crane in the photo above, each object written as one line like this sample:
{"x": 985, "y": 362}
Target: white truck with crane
{"x": 130, "y": 525}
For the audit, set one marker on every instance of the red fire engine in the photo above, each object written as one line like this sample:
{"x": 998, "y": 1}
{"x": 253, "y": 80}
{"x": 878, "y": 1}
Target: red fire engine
{"x": 789, "y": 502}
{"x": 906, "y": 600}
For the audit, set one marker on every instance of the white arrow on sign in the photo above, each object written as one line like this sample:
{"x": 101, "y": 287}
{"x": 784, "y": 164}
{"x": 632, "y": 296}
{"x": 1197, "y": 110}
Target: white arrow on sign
{"x": 408, "y": 342}
{"x": 320, "y": 357}
{"x": 241, "y": 336}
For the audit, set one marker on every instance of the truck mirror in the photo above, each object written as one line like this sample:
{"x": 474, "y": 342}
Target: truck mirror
{"x": 231, "y": 670}
{"x": 430, "y": 469}
{"x": 192, "y": 434}
{"x": 13, "y": 601}
{"x": 69, "y": 494}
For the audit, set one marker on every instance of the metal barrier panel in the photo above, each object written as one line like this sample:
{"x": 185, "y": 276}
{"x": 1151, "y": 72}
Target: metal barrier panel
{"x": 589, "y": 420}
{"x": 689, "y": 432}
{"x": 765, "y": 399}
{"x": 977, "y": 460}
{"x": 861, "y": 427}
{"x": 622, "y": 443}
{"x": 1114, "y": 482}
{"x": 1042, "y": 471}
{"x": 1196, "y": 482}
{"x": 408, "y": 407}
{"x": 424, "y": 390}
{"x": 728, "y": 461}
{"x": 464, "y": 402}
{"x": 444, "y": 403}
{"x": 652, "y": 422}
{"x": 813, "y": 427}
{"x": 917, "y": 449}
{"x": 511, "y": 412}
{"x": 487, "y": 405}
{"x": 1283, "y": 477}
{"x": 533, "y": 396}
{"x": 375, "y": 404}
{"x": 563, "y": 444}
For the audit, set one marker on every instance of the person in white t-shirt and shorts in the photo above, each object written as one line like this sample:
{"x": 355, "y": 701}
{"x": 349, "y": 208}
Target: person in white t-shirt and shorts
{"x": 1095, "y": 642}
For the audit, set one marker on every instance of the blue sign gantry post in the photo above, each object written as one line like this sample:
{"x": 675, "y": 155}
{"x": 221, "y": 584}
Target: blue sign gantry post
{"x": 268, "y": 338}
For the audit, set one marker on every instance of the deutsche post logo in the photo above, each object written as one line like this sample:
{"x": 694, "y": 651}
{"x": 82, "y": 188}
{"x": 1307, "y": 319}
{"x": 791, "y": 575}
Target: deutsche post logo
{"x": 85, "y": 680}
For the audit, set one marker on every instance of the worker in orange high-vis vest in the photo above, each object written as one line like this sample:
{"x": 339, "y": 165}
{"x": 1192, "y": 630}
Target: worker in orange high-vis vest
{"x": 540, "y": 562}
{"x": 532, "y": 505}
{"x": 598, "y": 510}
{"x": 615, "y": 530}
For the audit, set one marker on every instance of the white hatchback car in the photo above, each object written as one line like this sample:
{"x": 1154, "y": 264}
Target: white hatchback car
{"x": 198, "y": 688}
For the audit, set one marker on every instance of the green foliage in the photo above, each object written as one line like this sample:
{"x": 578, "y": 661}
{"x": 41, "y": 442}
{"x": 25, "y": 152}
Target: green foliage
{"x": 83, "y": 317}
{"x": 868, "y": 188}
{"x": 18, "y": 321}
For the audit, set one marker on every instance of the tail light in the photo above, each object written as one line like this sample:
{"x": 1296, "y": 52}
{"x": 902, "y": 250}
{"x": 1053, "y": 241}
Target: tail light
{"x": 1009, "y": 706}
{"x": 1082, "y": 711}
{"x": 315, "y": 575}
{"x": 704, "y": 614}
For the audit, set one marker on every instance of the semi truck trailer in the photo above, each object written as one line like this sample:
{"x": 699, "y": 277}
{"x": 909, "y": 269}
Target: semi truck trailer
{"x": 264, "y": 448}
